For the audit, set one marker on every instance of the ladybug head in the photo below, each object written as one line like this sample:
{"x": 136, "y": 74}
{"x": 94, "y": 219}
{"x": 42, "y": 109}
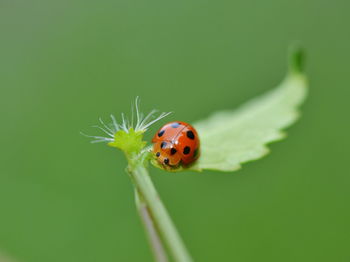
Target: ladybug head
{"x": 166, "y": 153}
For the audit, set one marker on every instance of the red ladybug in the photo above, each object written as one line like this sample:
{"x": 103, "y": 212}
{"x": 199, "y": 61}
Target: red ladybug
{"x": 176, "y": 143}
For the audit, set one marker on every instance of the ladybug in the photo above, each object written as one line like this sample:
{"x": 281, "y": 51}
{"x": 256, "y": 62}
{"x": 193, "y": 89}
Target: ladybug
{"x": 175, "y": 144}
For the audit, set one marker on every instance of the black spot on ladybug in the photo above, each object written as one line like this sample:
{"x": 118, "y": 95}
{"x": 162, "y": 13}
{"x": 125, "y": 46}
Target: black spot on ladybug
{"x": 195, "y": 153}
{"x": 162, "y": 145}
{"x": 190, "y": 134}
{"x": 158, "y": 154}
{"x": 187, "y": 150}
{"x": 175, "y": 125}
{"x": 166, "y": 161}
{"x": 173, "y": 151}
{"x": 161, "y": 133}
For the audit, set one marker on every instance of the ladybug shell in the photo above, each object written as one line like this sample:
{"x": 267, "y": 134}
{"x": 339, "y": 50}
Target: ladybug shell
{"x": 176, "y": 143}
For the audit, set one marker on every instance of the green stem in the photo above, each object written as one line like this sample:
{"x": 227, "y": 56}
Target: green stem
{"x": 161, "y": 219}
{"x": 155, "y": 241}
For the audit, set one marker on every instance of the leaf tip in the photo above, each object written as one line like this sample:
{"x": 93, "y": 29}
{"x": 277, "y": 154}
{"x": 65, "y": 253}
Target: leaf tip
{"x": 296, "y": 58}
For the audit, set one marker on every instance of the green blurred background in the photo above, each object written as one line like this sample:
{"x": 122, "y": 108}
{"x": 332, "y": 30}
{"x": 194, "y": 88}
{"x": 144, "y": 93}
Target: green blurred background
{"x": 65, "y": 63}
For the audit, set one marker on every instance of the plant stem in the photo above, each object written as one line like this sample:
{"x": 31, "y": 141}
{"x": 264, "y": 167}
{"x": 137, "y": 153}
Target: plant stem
{"x": 155, "y": 241}
{"x": 161, "y": 219}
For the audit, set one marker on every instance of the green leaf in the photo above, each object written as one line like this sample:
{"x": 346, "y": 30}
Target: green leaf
{"x": 230, "y": 138}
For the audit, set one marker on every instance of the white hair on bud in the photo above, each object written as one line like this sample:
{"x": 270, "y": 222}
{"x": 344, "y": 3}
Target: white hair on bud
{"x": 141, "y": 125}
